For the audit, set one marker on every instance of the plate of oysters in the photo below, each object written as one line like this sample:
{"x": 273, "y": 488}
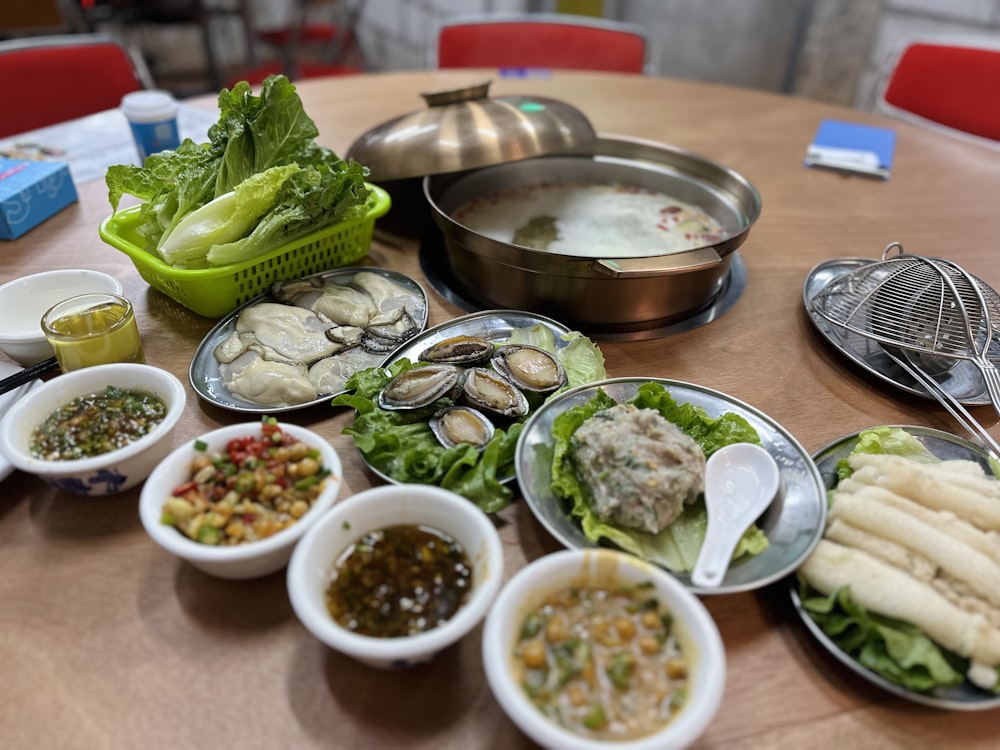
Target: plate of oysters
{"x": 299, "y": 343}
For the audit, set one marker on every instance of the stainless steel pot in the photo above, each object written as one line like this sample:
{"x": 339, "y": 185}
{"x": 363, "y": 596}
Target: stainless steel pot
{"x": 598, "y": 294}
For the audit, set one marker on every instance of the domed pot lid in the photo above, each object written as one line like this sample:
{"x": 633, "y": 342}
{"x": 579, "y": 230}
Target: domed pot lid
{"x": 464, "y": 129}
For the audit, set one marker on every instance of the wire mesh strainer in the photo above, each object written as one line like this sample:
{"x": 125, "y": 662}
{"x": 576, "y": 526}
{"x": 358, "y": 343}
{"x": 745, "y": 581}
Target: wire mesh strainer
{"x": 928, "y": 313}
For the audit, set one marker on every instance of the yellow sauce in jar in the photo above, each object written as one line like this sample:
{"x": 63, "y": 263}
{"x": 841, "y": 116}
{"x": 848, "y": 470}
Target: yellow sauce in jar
{"x": 92, "y": 335}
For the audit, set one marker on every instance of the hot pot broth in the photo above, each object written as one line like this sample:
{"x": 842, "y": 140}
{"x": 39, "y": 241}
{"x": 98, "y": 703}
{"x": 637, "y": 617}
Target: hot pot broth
{"x": 590, "y": 219}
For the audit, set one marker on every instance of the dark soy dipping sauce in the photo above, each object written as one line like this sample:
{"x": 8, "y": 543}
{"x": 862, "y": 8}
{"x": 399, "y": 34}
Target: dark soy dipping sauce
{"x": 399, "y": 581}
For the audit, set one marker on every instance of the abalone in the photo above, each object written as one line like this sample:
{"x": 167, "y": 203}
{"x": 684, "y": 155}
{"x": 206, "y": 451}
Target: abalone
{"x": 456, "y": 425}
{"x": 529, "y": 367}
{"x": 459, "y": 350}
{"x": 421, "y": 387}
{"x": 491, "y": 391}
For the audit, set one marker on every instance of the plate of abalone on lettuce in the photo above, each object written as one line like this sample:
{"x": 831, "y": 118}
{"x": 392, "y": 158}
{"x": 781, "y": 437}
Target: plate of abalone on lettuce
{"x": 902, "y": 589}
{"x": 620, "y": 463}
{"x": 298, "y": 344}
{"x": 447, "y": 407}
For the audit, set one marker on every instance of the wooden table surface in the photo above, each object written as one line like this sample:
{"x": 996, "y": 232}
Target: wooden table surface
{"x": 106, "y": 641}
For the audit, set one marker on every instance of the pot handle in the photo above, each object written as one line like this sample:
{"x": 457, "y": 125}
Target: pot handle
{"x": 659, "y": 265}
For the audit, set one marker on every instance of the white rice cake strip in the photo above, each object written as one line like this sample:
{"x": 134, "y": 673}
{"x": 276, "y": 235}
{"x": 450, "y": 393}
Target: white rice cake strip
{"x": 880, "y": 587}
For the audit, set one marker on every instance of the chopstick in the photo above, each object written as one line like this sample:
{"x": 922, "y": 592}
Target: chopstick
{"x": 28, "y": 374}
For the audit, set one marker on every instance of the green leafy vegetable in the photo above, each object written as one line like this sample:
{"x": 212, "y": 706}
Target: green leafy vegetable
{"x": 677, "y": 546}
{"x": 400, "y": 444}
{"x": 259, "y": 182}
{"x": 895, "y": 650}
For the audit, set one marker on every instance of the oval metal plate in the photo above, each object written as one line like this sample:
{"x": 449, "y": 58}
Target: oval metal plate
{"x": 204, "y": 371}
{"x": 793, "y": 523}
{"x": 964, "y": 382}
{"x": 963, "y": 697}
{"x": 495, "y": 325}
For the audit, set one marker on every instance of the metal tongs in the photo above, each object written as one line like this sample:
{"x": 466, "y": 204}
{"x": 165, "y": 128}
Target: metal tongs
{"x": 927, "y": 314}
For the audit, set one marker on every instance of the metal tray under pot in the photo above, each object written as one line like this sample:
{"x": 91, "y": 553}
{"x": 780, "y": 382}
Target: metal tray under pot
{"x": 598, "y": 293}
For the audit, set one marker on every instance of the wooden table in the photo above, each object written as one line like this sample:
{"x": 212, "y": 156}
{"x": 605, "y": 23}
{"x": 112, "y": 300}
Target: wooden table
{"x": 108, "y": 642}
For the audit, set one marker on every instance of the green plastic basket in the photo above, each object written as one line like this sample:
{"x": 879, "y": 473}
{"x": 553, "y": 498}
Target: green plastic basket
{"x": 214, "y": 292}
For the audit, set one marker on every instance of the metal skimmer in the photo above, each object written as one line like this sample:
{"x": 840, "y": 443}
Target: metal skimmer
{"x": 928, "y": 313}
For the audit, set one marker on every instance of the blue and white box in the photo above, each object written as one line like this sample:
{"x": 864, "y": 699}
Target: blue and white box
{"x": 31, "y": 192}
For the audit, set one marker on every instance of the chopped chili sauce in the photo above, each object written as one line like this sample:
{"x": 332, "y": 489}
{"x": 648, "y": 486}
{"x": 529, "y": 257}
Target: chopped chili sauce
{"x": 399, "y": 581}
{"x": 97, "y": 423}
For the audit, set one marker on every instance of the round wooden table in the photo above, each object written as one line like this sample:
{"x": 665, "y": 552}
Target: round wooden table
{"x": 108, "y": 642}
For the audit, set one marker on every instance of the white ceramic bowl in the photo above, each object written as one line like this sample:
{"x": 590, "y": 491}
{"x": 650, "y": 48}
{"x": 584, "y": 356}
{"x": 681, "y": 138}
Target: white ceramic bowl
{"x": 696, "y": 631}
{"x": 249, "y": 560}
{"x": 109, "y": 473}
{"x": 374, "y": 509}
{"x": 26, "y": 299}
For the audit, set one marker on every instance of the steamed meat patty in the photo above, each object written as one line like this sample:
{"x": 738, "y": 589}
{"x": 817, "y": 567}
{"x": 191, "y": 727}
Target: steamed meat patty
{"x": 639, "y": 469}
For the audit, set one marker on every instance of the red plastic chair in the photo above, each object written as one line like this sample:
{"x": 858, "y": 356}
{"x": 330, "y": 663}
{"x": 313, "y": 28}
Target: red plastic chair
{"x": 50, "y": 79}
{"x": 541, "y": 40}
{"x": 948, "y": 85}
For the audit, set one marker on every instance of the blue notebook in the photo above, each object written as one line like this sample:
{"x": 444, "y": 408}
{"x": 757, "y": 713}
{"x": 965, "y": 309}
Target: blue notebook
{"x": 853, "y": 147}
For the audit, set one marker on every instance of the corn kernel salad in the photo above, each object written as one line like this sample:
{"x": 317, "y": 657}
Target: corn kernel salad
{"x": 603, "y": 663}
{"x": 258, "y": 486}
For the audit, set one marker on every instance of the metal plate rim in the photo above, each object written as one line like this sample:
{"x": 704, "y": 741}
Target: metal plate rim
{"x": 204, "y": 368}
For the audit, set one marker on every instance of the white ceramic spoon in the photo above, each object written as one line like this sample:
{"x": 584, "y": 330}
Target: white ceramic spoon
{"x": 740, "y": 482}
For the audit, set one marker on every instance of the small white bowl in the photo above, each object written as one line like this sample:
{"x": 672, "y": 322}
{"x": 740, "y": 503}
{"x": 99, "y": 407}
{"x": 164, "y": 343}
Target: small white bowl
{"x": 374, "y": 509}
{"x": 108, "y": 473}
{"x": 249, "y": 560}
{"x": 696, "y": 632}
{"x": 25, "y": 300}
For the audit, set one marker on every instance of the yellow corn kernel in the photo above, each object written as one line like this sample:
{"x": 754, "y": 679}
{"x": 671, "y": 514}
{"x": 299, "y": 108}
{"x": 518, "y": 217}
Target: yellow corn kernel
{"x": 676, "y": 669}
{"x": 235, "y": 529}
{"x": 576, "y": 694}
{"x": 625, "y": 628}
{"x": 555, "y": 630}
{"x": 533, "y": 653}
{"x": 298, "y": 509}
{"x": 648, "y": 644}
{"x": 650, "y": 619}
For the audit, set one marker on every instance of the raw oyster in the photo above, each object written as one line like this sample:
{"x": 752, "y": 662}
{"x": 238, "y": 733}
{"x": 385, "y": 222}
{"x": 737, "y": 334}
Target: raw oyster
{"x": 454, "y": 425}
{"x": 421, "y": 386}
{"x": 344, "y": 305}
{"x": 329, "y": 375}
{"x": 389, "y": 298}
{"x": 286, "y": 333}
{"x": 459, "y": 350}
{"x": 266, "y": 382}
{"x": 491, "y": 391}
{"x": 386, "y": 336}
{"x": 529, "y": 367}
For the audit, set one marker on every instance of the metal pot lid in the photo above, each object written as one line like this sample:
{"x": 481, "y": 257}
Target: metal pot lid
{"x": 464, "y": 129}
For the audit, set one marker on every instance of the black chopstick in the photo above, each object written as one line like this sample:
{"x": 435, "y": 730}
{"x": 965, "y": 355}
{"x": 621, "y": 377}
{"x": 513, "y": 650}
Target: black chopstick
{"x": 28, "y": 374}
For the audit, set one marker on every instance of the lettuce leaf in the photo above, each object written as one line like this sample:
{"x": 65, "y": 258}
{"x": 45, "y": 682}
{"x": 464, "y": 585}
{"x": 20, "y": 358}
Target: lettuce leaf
{"x": 897, "y": 651}
{"x": 253, "y": 135}
{"x": 676, "y": 547}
